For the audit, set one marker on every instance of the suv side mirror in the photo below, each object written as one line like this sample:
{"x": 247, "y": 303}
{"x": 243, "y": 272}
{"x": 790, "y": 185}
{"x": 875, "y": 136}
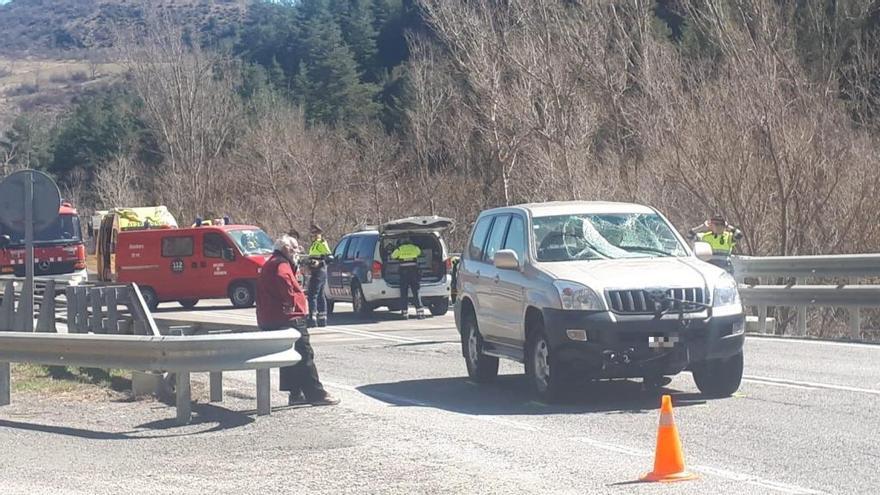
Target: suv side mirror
{"x": 4, "y": 241}
{"x": 506, "y": 259}
{"x": 228, "y": 254}
{"x": 703, "y": 250}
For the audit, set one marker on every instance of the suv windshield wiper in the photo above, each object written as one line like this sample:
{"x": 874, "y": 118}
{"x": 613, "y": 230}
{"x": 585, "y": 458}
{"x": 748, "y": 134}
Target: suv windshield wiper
{"x": 647, "y": 250}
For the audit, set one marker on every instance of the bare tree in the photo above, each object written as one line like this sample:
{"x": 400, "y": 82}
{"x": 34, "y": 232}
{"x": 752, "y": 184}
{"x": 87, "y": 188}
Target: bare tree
{"x": 117, "y": 182}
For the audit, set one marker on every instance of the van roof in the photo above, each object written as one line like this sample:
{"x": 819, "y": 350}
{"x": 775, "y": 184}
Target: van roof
{"x": 189, "y": 230}
{"x": 553, "y": 208}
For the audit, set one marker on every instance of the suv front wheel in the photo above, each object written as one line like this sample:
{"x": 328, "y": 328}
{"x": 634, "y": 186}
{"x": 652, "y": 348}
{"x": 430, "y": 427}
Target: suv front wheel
{"x": 719, "y": 377}
{"x": 542, "y": 370}
{"x": 480, "y": 367}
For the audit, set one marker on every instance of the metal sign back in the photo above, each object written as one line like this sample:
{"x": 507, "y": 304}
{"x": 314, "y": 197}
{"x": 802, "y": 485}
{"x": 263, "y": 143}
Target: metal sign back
{"x": 46, "y": 204}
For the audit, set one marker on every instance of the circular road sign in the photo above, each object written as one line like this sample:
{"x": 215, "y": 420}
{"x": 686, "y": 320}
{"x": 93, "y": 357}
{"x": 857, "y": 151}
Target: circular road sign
{"x": 47, "y": 200}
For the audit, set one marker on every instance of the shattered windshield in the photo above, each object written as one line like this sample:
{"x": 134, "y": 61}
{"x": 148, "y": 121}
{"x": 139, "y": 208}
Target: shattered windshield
{"x": 252, "y": 241}
{"x": 604, "y": 236}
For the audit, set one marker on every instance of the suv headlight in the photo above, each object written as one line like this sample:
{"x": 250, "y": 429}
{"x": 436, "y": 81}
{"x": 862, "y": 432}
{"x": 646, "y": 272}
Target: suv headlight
{"x": 575, "y": 296}
{"x": 726, "y": 293}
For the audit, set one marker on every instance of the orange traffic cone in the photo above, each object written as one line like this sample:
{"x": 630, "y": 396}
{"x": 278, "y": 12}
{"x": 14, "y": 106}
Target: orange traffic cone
{"x": 668, "y": 459}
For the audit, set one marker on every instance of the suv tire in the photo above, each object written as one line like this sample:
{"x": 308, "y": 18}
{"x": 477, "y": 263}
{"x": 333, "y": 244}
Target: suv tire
{"x": 242, "y": 294}
{"x": 359, "y": 303}
{"x": 439, "y": 307}
{"x": 719, "y": 377}
{"x": 542, "y": 370}
{"x": 480, "y": 367}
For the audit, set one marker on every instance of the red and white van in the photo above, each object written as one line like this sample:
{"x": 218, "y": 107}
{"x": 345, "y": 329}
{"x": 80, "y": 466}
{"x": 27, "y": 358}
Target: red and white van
{"x": 186, "y": 265}
{"x": 59, "y": 252}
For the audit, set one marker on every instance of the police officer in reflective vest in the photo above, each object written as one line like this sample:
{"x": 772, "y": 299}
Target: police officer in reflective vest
{"x": 319, "y": 251}
{"x": 721, "y": 236}
{"x": 407, "y": 255}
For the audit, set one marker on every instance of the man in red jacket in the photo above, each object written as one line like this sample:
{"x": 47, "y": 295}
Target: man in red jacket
{"x": 281, "y": 304}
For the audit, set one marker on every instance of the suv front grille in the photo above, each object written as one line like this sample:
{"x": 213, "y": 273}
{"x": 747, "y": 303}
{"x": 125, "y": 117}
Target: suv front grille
{"x": 637, "y": 301}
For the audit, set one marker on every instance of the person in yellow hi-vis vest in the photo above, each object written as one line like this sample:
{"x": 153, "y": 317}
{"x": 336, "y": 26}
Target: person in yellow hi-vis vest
{"x": 407, "y": 255}
{"x": 721, "y": 236}
{"x": 319, "y": 252}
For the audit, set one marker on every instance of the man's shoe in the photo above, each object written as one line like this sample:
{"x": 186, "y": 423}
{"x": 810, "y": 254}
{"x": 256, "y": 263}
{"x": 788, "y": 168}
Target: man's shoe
{"x": 420, "y": 314}
{"x": 327, "y": 400}
{"x": 296, "y": 400}
{"x": 404, "y": 314}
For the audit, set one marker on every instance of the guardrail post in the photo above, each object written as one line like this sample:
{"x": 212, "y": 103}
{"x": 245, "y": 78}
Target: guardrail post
{"x": 184, "y": 398}
{"x": 46, "y": 319}
{"x": 855, "y": 323}
{"x": 5, "y": 384}
{"x": 264, "y": 405}
{"x": 762, "y": 319}
{"x": 7, "y": 307}
{"x": 20, "y": 322}
{"x": 96, "y": 297}
{"x": 801, "y": 315}
{"x": 215, "y": 380}
{"x": 111, "y": 324}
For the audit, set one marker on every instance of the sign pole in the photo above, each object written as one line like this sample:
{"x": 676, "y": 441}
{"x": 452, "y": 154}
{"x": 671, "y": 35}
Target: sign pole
{"x": 27, "y": 292}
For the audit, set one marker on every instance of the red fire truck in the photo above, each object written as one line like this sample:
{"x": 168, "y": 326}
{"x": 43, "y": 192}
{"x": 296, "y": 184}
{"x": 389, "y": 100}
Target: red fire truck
{"x": 59, "y": 252}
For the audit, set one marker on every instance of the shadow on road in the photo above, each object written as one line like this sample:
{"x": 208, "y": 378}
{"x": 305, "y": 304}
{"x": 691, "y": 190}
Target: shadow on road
{"x": 509, "y": 395}
{"x": 204, "y": 414}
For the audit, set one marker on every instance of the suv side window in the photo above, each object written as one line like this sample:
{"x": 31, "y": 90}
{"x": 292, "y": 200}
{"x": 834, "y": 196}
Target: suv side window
{"x": 516, "y": 237}
{"x": 353, "y": 248}
{"x": 478, "y": 238}
{"x": 340, "y": 248}
{"x": 496, "y": 238}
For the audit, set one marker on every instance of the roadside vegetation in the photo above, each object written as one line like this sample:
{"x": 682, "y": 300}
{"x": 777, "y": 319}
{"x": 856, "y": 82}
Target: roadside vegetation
{"x": 344, "y": 112}
{"x": 75, "y": 382}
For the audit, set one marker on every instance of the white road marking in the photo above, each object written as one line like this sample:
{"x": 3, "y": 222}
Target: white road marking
{"x": 814, "y": 385}
{"x": 776, "y": 384}
{"x": 787, "y": 341}
{"x": 751, "y": 479}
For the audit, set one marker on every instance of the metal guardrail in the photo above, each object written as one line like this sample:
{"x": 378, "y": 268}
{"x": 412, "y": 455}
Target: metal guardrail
{"x": 800, "y": 295}
{"x": 97, "y": 338}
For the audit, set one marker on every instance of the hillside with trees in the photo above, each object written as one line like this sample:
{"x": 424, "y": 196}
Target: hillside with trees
{"x": 354, "y": 111}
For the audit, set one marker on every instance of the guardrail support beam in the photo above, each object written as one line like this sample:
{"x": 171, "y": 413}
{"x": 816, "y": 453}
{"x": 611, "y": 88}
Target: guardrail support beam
{"x": 762, "y": 319}
{"x": 855, "y": 323}
{"x": 184, "y": 398}
{"x": 264, "y": 389}
{"x": 215, "y": 380}
{"x": 5, "y": 384}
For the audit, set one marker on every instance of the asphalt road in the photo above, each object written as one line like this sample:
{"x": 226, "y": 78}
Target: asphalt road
{"x": 804, "y": 421}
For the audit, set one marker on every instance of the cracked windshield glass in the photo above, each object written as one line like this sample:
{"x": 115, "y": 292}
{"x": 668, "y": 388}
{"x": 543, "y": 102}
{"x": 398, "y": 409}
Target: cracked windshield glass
{"x": 252, "y": 241}
{"x": 604, "y": 236}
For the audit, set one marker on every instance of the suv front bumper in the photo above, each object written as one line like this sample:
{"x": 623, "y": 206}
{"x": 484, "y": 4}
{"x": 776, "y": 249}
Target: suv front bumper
{"x": 630, "y": 346}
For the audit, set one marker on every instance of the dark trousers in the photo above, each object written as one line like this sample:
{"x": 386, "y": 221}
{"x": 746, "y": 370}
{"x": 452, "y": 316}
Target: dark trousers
{"x": 303, "y": 376}
{"x": 410, "y": 280}
{"x": 315, "y": 292}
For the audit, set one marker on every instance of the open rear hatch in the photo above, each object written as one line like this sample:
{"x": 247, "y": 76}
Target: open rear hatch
{"x": 425, "y": 232}
{"x": 414, "y": 225}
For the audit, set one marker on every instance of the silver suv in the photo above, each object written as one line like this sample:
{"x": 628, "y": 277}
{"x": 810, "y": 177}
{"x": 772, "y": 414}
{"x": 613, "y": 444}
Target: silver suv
{"x": 595, "y": 290}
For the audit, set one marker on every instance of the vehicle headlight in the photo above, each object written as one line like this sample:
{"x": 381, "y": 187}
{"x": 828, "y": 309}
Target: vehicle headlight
{"x": 726, "y": 293}
{"x": 575, "y": 296}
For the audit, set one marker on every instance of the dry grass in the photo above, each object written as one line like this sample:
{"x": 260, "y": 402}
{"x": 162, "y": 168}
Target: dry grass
{"x": 70, "y": 383}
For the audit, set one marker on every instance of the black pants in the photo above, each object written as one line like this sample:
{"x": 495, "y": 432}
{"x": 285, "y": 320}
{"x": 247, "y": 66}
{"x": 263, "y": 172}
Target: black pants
{"x": 410, "y": 280}
{"x": 302, "y": 377}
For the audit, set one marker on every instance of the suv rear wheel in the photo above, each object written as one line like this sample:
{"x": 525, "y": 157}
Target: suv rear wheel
{"x": 188, "y": 303}
{"x": 359, "y": 303}
{"x": 719, "y": 377}
{"x": 542, "y": 369}
{"x": 480, "y": 367}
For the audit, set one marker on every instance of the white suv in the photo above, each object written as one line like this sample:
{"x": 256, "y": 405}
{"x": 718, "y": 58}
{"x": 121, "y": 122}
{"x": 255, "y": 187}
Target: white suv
{"x": 595, "y": 290}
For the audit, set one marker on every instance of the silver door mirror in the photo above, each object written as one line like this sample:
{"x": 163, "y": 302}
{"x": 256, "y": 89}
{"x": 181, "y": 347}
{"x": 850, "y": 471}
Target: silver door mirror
{"x": 506, "y": 259}
{"x": 703, "y": 250}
